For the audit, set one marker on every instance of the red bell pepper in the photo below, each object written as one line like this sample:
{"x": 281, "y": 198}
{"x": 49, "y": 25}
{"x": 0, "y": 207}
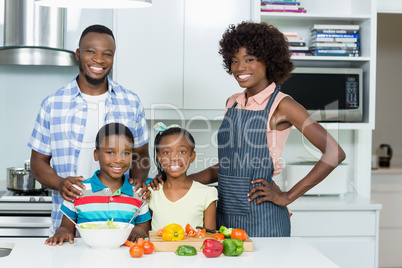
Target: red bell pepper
{"x": 212, "y": 248}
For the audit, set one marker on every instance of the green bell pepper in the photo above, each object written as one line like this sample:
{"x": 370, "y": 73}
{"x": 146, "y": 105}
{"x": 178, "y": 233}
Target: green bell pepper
{"x": 225, "y": 231}
{"x": 232, "y": 247}
{"x": 184, "y": 250}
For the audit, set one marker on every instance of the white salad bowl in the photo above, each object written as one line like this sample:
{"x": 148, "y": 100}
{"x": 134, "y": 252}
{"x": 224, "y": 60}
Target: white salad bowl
{"x": 103, "y": 237}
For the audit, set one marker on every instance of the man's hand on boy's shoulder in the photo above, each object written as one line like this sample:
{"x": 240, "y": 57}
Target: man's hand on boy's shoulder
{"x": 154, "y": 184}
{"x": 144, "y": 192}
{"x": 68, "y": 189}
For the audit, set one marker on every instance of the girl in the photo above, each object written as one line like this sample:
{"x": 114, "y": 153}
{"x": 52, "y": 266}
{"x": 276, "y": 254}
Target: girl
{"x": 108, "y": 194}
{"x": 180, "y": 200}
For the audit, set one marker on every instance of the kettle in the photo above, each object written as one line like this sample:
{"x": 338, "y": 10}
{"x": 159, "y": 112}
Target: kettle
{"x": 384, "y": 154}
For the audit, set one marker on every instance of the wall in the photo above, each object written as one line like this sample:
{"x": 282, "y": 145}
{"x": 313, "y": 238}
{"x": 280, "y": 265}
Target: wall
{"x": 23, "y": 88}
{"x": 389, "y": 80}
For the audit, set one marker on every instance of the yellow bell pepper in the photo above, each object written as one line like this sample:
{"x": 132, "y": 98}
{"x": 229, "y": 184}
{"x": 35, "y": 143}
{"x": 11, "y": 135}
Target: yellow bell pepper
{"x": 173, "y": 232}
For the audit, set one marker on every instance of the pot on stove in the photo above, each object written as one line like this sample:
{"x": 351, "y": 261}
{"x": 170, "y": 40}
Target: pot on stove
{"x": 20, "y": 179}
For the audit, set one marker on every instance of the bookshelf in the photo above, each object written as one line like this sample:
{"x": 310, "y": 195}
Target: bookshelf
{"x": 359, "y": 12}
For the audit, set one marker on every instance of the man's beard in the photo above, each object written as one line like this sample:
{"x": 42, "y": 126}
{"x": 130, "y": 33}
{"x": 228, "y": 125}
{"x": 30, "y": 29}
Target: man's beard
{"x": 90, "y": 80}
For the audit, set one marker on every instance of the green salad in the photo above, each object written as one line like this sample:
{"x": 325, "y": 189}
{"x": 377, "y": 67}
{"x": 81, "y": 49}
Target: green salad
{"x": 108, "y": 225}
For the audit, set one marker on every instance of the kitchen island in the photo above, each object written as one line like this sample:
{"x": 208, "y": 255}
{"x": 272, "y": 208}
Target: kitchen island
{"x": 292, "y": 252}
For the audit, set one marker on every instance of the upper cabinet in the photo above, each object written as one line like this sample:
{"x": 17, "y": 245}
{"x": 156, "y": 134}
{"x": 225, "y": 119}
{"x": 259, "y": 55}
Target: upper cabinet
{"x": 342, "y": 12}
{"x": 149, "y": 53}
{"x": 206, "y": 83}
{"x": 168, "y": 55}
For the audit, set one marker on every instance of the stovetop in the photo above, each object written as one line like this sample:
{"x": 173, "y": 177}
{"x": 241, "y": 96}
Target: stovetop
{"x": 40, "y": 197}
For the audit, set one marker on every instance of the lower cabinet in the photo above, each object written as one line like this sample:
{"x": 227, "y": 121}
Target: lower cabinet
{"x": 347, "y": 234}
{"x": 386, "y": 188}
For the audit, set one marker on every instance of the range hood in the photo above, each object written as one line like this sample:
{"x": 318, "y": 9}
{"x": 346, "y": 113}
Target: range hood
{"x": 34, "y": 35}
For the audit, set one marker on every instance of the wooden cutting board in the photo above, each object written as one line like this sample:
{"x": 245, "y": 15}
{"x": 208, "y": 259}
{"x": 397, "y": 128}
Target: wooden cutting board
{"x": 171, "y": 246}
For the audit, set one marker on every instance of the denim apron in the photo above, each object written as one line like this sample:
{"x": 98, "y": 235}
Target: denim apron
{"x": 244, "y": 156}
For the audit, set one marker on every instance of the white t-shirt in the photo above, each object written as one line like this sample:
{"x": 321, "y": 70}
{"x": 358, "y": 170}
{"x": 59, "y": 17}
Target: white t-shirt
{"x": 188, "y": 209}
{"x": 87, "y": 165}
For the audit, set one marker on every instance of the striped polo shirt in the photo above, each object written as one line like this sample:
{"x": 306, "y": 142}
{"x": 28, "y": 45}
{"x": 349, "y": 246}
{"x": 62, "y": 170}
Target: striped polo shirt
{"x": 98, "y": 203}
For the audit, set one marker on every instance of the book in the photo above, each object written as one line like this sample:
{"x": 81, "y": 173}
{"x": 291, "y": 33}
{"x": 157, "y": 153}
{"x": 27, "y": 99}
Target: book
{"x": 338, "y": 39}
{"x": 284, "y": 10}
{"x": 299, "y": 53}
{"x": 319, "y": 35}
{"x": 290, "y": 34}
{"x": 335, "y": 51}
{"x": 297, "y": 44}
{"x": 337, "y": 31}
{"x": 295, "y": 39}
{"x": 305, "y": 48}
{"x": 289, "y": 7}
{"x": 335, "y": 26}
{"x": 337, "y": 54}
{"x": 334, "y": 45}
{"x": 284, "y": 2}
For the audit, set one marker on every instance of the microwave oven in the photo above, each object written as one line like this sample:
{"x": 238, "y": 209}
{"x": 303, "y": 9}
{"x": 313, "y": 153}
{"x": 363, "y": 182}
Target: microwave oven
{"x": 328, "y": 94}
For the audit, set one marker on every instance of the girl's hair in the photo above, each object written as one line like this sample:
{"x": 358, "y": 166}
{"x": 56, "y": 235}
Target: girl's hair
{"x": 110, "y": 130}
{"x": 263, "y": 41}
{"x": 168, "y": 132}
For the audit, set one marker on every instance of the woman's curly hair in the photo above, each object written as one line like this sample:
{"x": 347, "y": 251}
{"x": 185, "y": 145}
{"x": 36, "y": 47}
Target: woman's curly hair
{"x": 264, "y": 42}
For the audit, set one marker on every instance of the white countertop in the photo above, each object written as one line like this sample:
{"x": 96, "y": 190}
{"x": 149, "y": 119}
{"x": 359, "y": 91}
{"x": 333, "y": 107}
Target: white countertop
{"x": 292, "y": 252}
{"x": 349, "y": 201}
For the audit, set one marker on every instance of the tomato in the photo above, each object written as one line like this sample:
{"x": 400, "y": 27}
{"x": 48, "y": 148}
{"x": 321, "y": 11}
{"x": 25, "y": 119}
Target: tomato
{"x": 136, "y": 251}
{"x": 219, "y": 236}
{"x": 201, "y": 233}
{"x": 140, "y": 241}
{"x": 160, "y": 232}
{"x": 190, "y": 231}
{"x": 128, "y": 243}
{"x": 148, "y": 247}
{"x": 239, "y": 234}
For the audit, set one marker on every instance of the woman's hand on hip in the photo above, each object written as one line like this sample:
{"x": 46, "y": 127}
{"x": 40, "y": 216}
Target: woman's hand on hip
{"x": 267, "y": 192}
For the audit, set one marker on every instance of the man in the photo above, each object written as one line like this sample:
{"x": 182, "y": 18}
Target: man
{"x": 68, "y": 120}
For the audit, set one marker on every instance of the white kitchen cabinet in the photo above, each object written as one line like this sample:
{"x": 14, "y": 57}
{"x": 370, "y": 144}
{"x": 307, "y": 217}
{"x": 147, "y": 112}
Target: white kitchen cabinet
{"x": 386, "y": 188}
{"x": 206, "y": 83}
{"x": 168, "y": 53}
{"x": 149, "y": 55}
{"x": 343, "y": 228}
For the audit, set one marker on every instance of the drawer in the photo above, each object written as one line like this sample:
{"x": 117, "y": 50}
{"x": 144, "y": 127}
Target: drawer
{"x": 333, "y": 223}
{"x": 25, "y": 232}
{"x": 25, "y": 222}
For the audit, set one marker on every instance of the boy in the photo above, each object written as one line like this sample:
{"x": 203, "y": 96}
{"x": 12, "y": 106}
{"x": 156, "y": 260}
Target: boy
{"x": 108, "y": 190}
